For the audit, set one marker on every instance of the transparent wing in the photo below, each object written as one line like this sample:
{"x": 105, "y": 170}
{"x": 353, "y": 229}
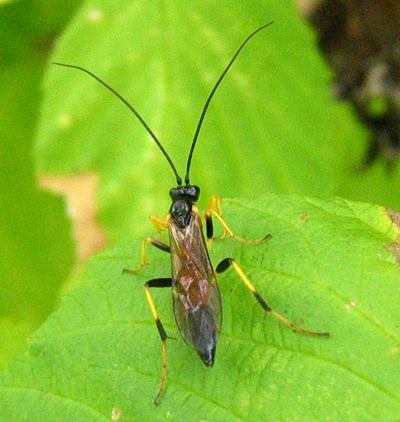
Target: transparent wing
{"x": 197, "y": 300}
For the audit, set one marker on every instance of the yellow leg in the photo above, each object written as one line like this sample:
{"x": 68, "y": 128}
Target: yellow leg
{"x": 214, "y": 209}
{"x": 163, "y": 373}
{"x": 224, "y": 265}
{"x": 159, "y": 224}
{"x": 162, "y": 282}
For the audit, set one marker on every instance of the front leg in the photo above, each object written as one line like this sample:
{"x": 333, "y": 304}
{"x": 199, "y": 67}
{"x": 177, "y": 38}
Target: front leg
{"x": 214, "y": 209}
{"x": 159, "y": 224}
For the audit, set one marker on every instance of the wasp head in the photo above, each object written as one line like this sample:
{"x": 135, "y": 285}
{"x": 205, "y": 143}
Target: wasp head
{"x": 183, "y": 197}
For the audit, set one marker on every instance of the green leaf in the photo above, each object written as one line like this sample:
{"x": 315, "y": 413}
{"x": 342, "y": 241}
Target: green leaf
{"x": 3, "y": 2}
{"x": 36, "y": 251}
{"x": 327, "y": 267}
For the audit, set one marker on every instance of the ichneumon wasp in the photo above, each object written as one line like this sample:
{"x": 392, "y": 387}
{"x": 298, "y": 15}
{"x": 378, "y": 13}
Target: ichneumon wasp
{"x": 196, "y": 296}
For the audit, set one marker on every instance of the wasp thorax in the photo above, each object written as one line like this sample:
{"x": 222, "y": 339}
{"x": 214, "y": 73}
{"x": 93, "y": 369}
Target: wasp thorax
{"x": 181, "y": 211}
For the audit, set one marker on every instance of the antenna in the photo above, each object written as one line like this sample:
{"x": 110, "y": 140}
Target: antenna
{"x": 203, "y": 113}
{"x": 142, "y": 121}
{"x": 202, "y": 116}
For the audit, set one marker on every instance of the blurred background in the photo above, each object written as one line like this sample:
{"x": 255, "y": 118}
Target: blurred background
{"x": 310, "y": 107}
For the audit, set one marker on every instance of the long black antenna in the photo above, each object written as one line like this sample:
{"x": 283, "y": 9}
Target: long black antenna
{"x": 146, "y": 126}
{"x": 203, "y": 113}
{"x": 202, "y": 116}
